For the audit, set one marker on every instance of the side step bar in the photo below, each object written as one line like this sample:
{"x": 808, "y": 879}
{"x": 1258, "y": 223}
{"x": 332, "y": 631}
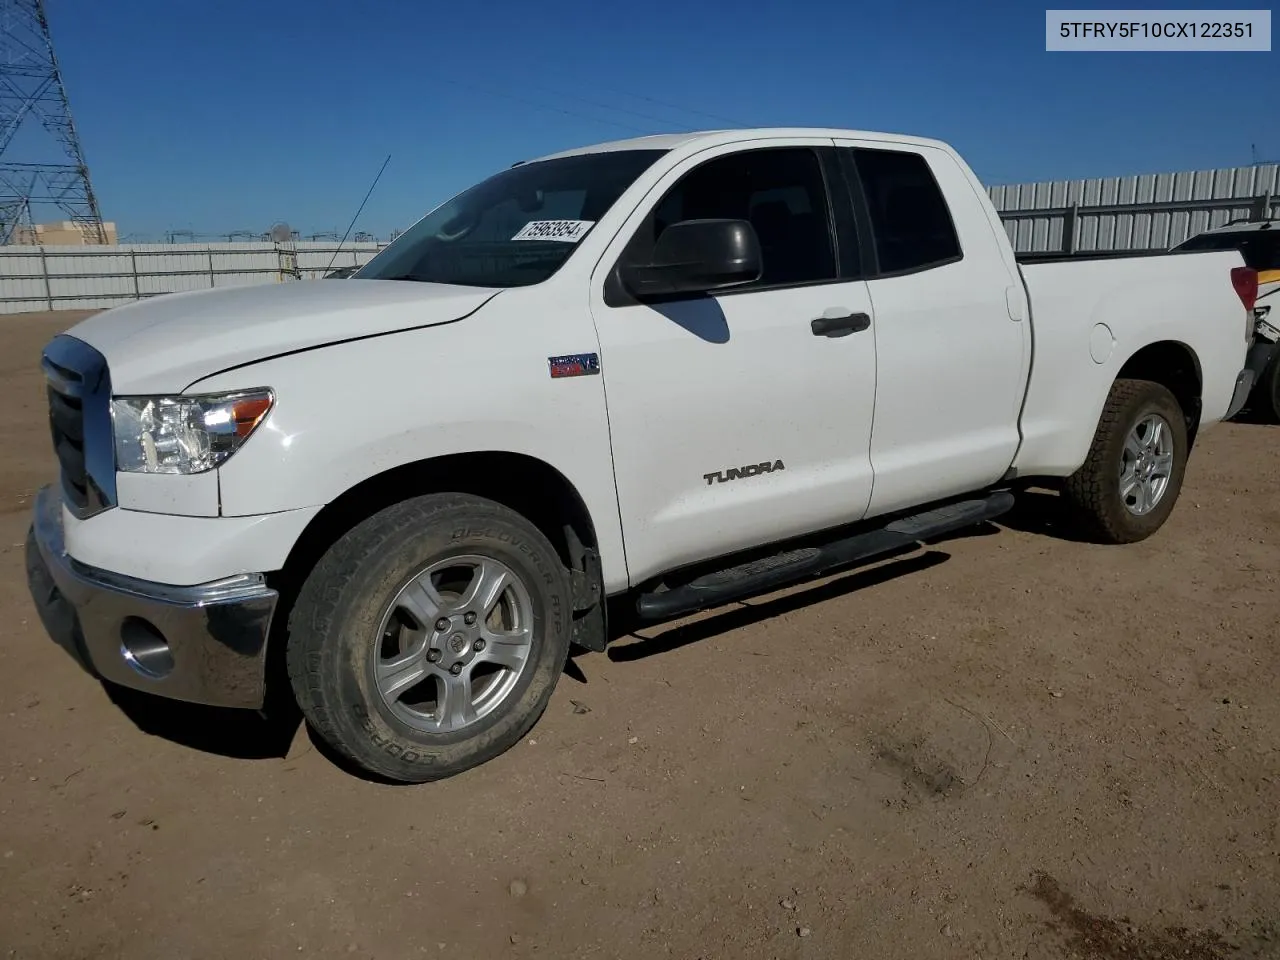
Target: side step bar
{"x": 807, "y": 563}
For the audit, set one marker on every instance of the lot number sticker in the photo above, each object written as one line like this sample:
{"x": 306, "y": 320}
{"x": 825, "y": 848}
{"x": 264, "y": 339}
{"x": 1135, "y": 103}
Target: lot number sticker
{"x": 564, "y": 231}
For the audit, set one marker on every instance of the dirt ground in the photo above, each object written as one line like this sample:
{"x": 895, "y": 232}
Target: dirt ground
{"x": 1010, "y": 746}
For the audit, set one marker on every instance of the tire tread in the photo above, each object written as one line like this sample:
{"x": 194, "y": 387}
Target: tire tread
{"x": 1091, "y": 490}
{"x": 311, "y": 624}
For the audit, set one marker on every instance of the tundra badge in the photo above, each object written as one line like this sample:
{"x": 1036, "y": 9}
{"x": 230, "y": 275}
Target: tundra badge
{"x": 737, "y": 473}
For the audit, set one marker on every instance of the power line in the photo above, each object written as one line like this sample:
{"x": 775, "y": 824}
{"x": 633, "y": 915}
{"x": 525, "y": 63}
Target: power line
{"x": 666, "y": 121}
{"x": 542, "y": 106}
{"x": 636, "y": 113}
{"x": 675, "y": 106}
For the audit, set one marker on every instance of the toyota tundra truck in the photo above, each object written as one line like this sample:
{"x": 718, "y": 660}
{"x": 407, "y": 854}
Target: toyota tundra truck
{"x": 611, "y": 386}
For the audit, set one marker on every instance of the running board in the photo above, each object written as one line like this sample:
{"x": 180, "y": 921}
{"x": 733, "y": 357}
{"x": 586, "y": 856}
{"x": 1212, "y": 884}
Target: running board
{"x": 806, "y": 563}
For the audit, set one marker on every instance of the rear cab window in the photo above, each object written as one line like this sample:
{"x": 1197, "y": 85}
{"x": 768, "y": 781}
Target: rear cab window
{"x": 910, "y": 222}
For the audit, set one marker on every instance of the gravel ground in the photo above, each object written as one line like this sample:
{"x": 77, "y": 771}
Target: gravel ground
{"x": 1010, "y": 745}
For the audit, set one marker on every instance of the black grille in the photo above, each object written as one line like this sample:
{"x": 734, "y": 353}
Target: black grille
{"x": 66, "y": 423}
{"x": 79, "y": 396}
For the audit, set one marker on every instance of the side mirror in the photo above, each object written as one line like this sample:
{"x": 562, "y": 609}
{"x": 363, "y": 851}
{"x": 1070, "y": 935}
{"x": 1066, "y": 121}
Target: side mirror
{"x": 696, "y": 256}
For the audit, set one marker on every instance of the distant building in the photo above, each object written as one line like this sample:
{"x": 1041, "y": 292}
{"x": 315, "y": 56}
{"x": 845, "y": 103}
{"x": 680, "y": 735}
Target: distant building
{"x": 65, "y": 233}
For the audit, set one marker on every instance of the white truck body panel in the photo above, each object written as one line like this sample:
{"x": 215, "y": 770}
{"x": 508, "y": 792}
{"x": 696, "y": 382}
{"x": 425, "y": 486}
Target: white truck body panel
{"x": 952, "y": 362}
{"x": 1131, "y": 302}
{"x": 727, "y": 381}
{"x": 958, "y": 379}
{"x": 164, "y": 343}
{"x": 183, "y": 550}
{"x": 430, "y": 393}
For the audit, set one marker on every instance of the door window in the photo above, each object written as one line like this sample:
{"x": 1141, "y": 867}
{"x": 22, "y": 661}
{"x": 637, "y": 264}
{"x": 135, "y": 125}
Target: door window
{"x": 780, "y": 191}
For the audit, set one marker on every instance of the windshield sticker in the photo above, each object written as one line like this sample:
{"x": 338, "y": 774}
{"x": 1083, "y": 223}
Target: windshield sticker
{"x": 563, "y": 231}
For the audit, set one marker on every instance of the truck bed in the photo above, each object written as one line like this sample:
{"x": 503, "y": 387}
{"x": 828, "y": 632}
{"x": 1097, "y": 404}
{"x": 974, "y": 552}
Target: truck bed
{"x": 1091, "y": 314}
{"x": 1056, "y": 257}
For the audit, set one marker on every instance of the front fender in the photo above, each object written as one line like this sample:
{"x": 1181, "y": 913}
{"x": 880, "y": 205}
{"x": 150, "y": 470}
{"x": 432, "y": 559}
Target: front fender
{"x": 352, "y": 411}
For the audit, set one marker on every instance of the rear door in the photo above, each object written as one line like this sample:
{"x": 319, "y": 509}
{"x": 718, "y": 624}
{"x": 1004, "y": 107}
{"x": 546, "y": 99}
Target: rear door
{"x": 952, "y": 345}
{"x": 735, "y": 419}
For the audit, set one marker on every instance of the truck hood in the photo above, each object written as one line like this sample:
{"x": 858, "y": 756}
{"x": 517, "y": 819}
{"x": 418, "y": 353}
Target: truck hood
{"x": 164, "y": 344}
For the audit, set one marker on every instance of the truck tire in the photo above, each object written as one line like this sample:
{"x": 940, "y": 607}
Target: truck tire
{"x": 1266, "y": 393}
{"x": 430, "y": 637}
{"x": 1130, "y": 482}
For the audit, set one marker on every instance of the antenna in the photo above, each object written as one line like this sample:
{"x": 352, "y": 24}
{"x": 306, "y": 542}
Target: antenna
{"x": 357, "y": 216}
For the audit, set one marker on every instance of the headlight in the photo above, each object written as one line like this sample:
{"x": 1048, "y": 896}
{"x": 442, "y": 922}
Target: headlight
{"x": 185, "y": 434}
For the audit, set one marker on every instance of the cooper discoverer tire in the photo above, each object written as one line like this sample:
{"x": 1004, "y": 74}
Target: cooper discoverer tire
{"x": 1129, "y": 484}
{"x": 429, "y": 638}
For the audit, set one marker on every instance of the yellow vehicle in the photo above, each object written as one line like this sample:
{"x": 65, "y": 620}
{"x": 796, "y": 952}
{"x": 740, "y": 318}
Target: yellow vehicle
{"x": 1259, "y": 243}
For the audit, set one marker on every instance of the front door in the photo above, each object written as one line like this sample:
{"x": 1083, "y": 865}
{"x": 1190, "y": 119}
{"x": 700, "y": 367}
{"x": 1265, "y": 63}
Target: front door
{"x": 735, "y": 419}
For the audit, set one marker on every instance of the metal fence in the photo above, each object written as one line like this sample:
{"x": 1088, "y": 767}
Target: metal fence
{"x": 91, "y": 277}
{"x": 1142, "y": 213}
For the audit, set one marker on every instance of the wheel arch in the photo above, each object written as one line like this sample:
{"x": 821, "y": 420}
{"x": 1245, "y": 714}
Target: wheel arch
{"x": 1175, "y": 366}
{"x": 526, "y": 484}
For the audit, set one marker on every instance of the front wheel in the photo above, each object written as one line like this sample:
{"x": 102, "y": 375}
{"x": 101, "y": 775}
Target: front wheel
{"x": 430, "y": 637}
{"x": 1128, "y": 486}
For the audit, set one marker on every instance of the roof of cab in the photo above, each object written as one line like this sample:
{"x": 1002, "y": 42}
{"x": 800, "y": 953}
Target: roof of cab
{"x": 711, "y": 138}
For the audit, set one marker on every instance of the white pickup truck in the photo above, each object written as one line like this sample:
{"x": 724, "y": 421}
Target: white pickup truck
{"x": 634, "y": 380}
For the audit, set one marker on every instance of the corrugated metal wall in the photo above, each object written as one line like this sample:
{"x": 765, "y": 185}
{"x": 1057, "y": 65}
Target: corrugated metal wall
{"x": 87, "y": 278}
{"x": 1150, "y": 212}
{"x": 313, "y": 257}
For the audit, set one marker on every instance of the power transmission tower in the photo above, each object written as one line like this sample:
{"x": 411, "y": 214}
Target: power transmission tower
{"x": 31, "y": 92}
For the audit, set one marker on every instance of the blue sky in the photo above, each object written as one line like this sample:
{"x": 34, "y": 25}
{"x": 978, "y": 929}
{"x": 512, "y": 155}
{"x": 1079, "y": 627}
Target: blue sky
{"x": 232, "y": 115}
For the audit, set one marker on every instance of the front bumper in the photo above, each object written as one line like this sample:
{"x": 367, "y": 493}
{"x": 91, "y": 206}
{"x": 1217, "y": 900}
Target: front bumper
{"x": 203, "y": 644}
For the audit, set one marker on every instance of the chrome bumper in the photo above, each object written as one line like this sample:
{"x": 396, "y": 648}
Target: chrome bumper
{"x": 204, "y": 644}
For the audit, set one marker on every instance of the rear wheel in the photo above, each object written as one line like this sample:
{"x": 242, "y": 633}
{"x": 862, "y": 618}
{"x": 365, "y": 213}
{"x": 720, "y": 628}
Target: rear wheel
{"x": 429, "y": 639}
{"x": 1266, "y": 393}
{"x": 1128, "y": 486}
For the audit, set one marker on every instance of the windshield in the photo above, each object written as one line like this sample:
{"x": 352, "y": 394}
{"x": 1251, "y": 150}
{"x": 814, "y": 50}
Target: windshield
{"x": 1260, "y": 248}
{"x": 514, "y": 229}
